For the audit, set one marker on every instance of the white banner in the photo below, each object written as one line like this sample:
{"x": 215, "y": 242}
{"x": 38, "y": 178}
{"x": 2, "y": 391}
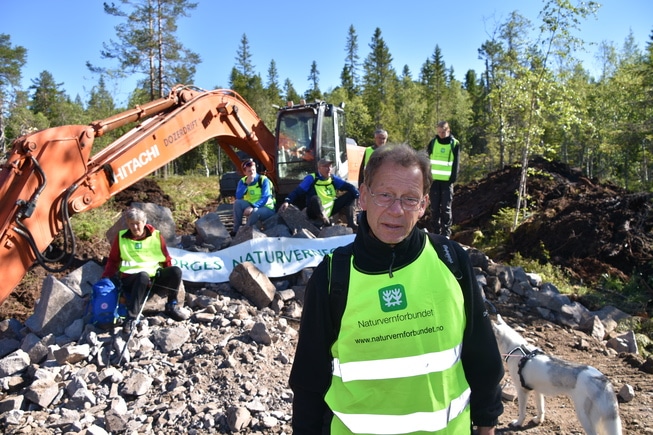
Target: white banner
{"x": 274, "y": 256}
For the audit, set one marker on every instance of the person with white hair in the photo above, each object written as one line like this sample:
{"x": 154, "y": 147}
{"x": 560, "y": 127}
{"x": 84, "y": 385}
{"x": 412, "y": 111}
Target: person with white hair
{"x": 139, "y": 259}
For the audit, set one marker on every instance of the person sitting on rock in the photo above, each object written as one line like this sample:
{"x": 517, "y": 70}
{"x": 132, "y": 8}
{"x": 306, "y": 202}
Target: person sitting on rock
{"x": 320, "y": 190}
{"x": 138, "y": 259}
{"x": 254, "y": 197}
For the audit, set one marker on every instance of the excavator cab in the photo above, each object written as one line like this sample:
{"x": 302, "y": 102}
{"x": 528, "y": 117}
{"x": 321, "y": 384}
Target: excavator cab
{"x": 305, "y": 134}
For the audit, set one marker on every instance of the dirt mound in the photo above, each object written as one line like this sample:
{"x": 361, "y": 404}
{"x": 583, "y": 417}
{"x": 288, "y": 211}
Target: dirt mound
{"x": 582, "y": 225}
{"x": 146, "y": 190}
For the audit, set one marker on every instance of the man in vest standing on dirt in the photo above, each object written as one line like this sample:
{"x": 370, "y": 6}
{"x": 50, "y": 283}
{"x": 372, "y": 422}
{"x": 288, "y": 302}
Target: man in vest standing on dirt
{"x": 443, "y": 150}
{"x": 254, "y": 197}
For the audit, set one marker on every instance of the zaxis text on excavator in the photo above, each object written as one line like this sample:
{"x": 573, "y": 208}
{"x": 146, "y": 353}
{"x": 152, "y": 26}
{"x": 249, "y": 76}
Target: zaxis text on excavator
{"x": 50, "y": 175}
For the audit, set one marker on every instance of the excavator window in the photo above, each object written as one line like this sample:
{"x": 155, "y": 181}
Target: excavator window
{"x": 296, "y": 144}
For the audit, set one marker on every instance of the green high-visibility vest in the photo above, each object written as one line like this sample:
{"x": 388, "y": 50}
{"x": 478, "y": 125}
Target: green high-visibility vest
{"x": 140, "y": 255}
{"x": 397, "y": 366}
{"x": 442, "y": 158}
{"x": 326, "y": 192}
{"x": 368, "y": 154}
{"x": 255, "y": 191}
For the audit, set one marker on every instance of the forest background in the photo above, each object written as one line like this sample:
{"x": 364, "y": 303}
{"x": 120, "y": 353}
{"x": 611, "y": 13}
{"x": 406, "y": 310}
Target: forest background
{"x": 534, "y": 97}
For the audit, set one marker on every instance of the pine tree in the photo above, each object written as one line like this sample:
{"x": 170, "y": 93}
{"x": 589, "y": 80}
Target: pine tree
{"x": 273, "y": 88}
{"x": 314, "y": 93}
{"x": 290, "y": 93}
{"x": 47, "y": 97}
{"x": 379, "y": 82}
{"x": 147, "y": 44}
{"x": 349, "y": 75}
{"x": 12, "y": 59}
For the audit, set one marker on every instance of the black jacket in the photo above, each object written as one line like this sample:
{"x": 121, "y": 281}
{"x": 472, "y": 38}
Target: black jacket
{"x": 311, "y": 372}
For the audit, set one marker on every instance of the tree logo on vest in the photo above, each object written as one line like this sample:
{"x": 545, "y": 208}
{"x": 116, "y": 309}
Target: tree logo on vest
{"x": 393, "y": 298}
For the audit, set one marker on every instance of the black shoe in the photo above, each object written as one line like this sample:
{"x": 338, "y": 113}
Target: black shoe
{"x": 176, "y": 312}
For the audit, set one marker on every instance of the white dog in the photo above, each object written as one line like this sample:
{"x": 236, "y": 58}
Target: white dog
{"x": 590, "y": 391}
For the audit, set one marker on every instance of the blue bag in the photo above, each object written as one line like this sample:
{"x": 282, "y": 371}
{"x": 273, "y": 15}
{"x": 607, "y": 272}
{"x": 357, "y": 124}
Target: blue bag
{"x": 106, "y": 310}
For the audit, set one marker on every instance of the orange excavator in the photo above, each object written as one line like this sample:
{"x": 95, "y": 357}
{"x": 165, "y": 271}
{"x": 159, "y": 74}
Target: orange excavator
{"x": 51, "y": 175}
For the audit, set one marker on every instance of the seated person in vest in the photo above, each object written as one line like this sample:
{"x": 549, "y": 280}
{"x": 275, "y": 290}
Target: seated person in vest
{"x": 254, "y": 197}
{"x": 139, "y": 258}
{"x": 436, "y": 368}
{"x": 320, "y": 190}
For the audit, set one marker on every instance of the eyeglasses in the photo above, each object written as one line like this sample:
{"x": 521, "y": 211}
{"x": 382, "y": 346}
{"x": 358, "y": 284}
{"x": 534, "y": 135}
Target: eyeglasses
{"x": 385, "y": 199}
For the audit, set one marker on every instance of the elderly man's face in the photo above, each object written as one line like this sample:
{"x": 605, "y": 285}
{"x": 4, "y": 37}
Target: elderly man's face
{"x": 380, "y": 139}
{"x": 325, "y": 170}
{"x": 392, "y": 223}
{"x": 136, "y": 227}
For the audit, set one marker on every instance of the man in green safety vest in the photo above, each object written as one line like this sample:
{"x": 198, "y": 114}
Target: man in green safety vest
{"x": 254, "y": 197}
{"x": 320, "y": 192}
{"x": 412, "y": 350}
{"x": 443, "y": 150}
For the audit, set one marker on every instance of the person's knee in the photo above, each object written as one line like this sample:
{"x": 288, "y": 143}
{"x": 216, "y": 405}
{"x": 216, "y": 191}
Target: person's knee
{"x": 143, "y": 279}
{"x": 171, "y": 273}
{"x": 314, "y": 208}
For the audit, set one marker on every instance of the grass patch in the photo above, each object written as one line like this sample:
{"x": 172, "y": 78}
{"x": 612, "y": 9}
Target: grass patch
{"x": 189, "y": 193}
{"x": 94, "y": 223}
{"x": 550, "y": 273}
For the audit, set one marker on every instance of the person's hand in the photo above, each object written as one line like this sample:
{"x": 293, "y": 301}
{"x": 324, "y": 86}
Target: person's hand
{"x": 283, "y": 206}
{"x": 249, "y": 210}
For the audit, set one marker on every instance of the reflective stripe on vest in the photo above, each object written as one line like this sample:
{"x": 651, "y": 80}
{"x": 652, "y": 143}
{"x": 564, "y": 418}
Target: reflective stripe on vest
{"x": 397, "y": 367}
{"x": 442, "y": 160}
{"x": 140, "y": 255}
{"x": 396, "y": 360}
{"x": 326, "y": 192}
{"x": 254, "y": 192}
{"x": 409, "y": 423}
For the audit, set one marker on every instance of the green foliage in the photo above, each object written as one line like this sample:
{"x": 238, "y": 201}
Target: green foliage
{"x": 146, "y": 44}
{"x": 535, "y": 172}
{"x": 93, "y": 224}
{"x": 531, "y": 97}
{"x": 549, "y": 273}
{"x": 189, "y": 192}
{"x": 499, "y": 231}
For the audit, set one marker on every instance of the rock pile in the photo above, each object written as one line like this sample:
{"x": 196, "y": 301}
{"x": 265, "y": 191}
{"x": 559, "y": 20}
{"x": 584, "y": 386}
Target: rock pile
{"x": 223, "y": 370}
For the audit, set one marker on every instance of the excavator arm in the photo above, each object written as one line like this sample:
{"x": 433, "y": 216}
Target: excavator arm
{"x": 50, "y": 175}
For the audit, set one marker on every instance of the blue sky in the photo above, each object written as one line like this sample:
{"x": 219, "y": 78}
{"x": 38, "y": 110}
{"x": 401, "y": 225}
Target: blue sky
{"x": 61, "y": 36}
